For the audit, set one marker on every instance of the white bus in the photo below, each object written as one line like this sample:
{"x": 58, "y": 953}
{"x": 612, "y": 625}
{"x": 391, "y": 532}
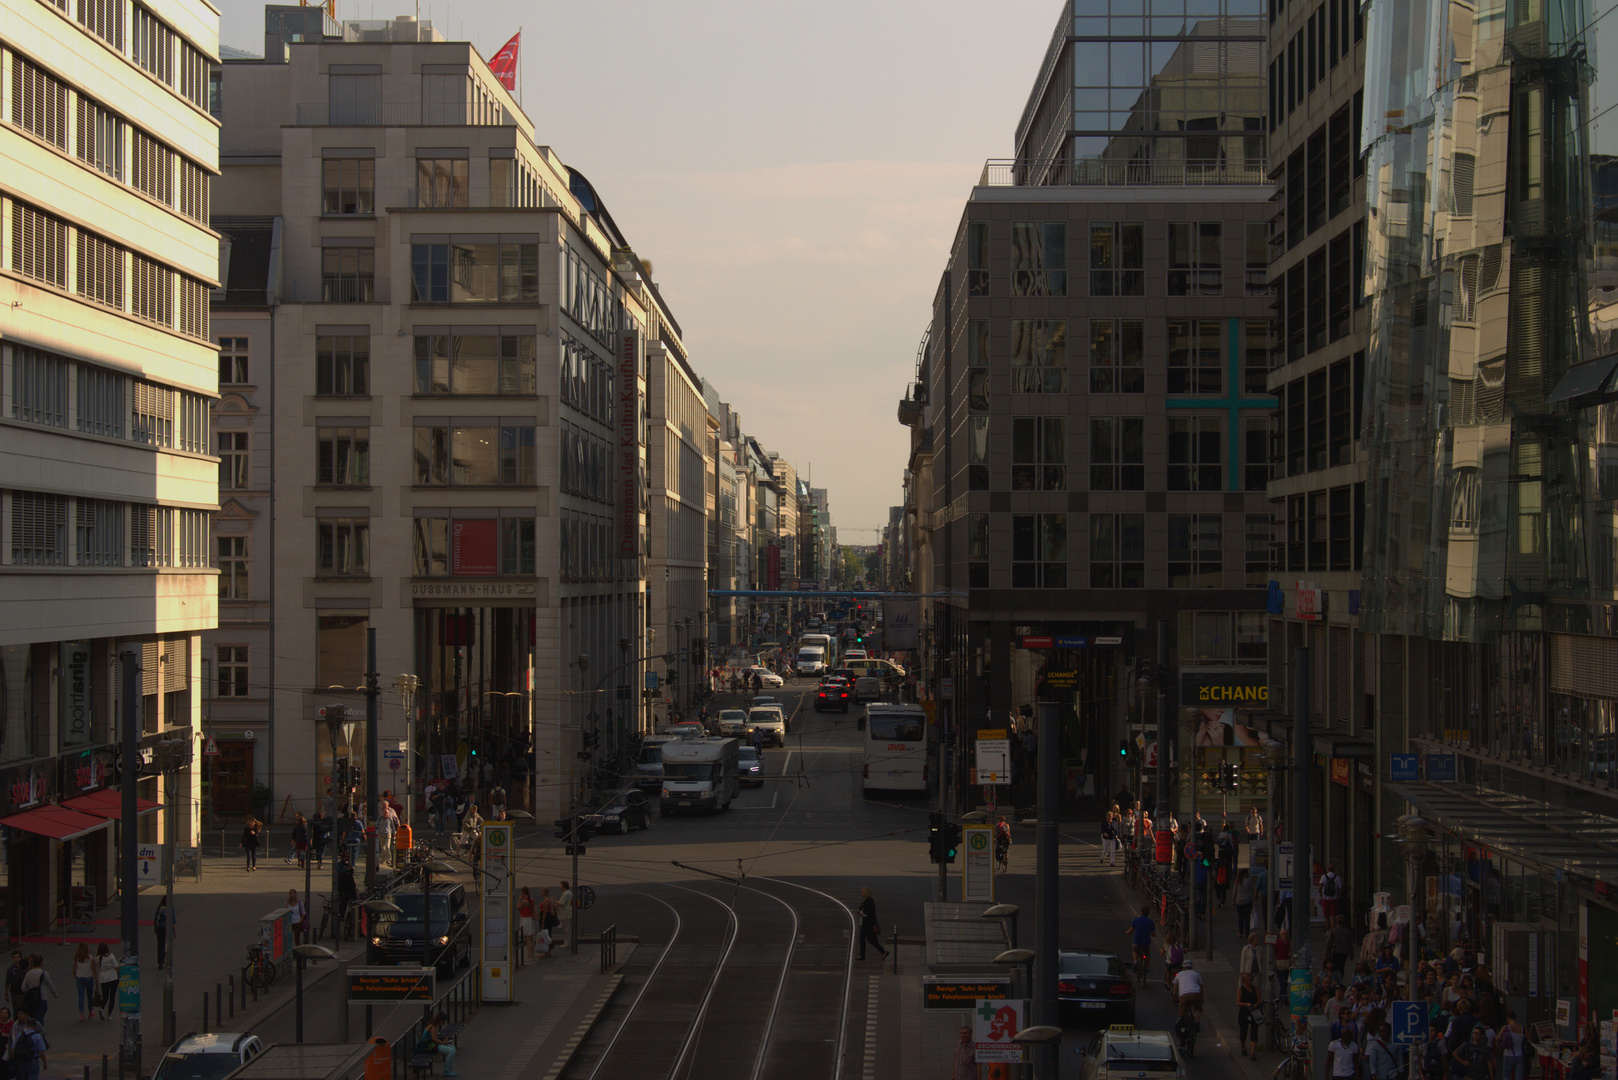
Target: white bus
{"x": 895, "y": 748}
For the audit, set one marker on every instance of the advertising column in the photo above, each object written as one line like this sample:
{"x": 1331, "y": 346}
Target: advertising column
{"x": 495, "y": 949}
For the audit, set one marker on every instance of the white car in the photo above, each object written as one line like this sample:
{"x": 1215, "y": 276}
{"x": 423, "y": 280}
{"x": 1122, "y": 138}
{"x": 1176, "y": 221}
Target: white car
{"x": 207, "y": 1057}
{"x": 766, "y": 677}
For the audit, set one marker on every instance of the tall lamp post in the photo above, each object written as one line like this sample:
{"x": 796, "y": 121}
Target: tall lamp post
{"x": 408, "y": 687}
{"x": 1413, "y": 835}
{"x": 310, "y": 954}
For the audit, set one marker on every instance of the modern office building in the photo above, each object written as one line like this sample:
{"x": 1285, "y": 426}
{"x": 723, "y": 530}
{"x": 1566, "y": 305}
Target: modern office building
{"x": 108, "y": 484}
{"x": 1091, "y": 418}
{"x": 459, "y": 368}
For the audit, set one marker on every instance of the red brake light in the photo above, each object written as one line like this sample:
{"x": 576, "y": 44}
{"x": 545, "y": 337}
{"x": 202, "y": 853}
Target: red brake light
{"x": 1066, "y": 987}
{"x": 1121, "y": 990}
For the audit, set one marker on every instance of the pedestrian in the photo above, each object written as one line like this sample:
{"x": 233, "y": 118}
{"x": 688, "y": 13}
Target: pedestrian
{"x": 1247, "y": 1015}
{"x": 1339, "y": 943}
{"x": 1109, "y": 838}
{"x": 1511, "y": 1045}
{"x": 1331, "y": 887}
{"x": 1475, "y": 1056}
{"x": 319, "y": 836}
{"x": 26, "y": 1048}
{"x": 1282, "y": 954}
{"x": 1345, "y": 1054}
{"x": 387, "y": 826}
{"x": 756, "y": 737}
{"x": 870, "y": 929}
{"x": 966, "y": 1058}
{"x": 106, "y": 980}
{"x": 298, "y": 916}
{"x": 1243, "y": 899}
{"x": 84, "y": 980}
{"x": 34, "y": 985}
{"x": 160, "y": 930}
{"x": 300, "y": 839}
{"x": 250, "y": 838}
{"x": 529, "y": 919}
{"x": 14, "y": 974}
{"x": 433, "y": 1042}
{"x": 1254, "y": 825}
{"x": 1375, "y": 938}
{"x": 1380, "y": 1060}
{"x": 566, "y": 907}
{"x": 548, "y": 919}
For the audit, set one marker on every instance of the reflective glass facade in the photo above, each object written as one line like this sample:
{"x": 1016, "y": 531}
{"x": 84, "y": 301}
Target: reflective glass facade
{"x": 1490, "y": 269}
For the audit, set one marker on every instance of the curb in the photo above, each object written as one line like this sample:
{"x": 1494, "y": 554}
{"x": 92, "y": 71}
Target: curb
{"x": 588, "y": 1023}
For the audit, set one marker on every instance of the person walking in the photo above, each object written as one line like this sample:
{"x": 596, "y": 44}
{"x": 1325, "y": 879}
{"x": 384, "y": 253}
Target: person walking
{"x": 529, "y": 920}
{"x": 84, "y": 980}
{"x": 870, "y": 929}
{"x": 319, "y": 836}
{"x": 1509, "y": 1044}
{"x": 566, "y": 907}
{"x": 106, "y": 980}
{"x": 14, "y": 974}
{"x": 1247, "y": 1015}
{"x": 34, "y": 985}
{"x": 1109, "y": 837}
{"x": 966, "y": 1058}
{"x": 1339, "y": 943}
{"x": 1476, "y": 1056}
{"x": 1380, "y": 1060}
{"x": 1344, "y": 1053}
{"x": 251, "y": 833}
{"x": 26, "y": 1048}
{"x": 548, "y": 919}
{"x": 298, "y": 916}
{"x": 300, "y": 839}
{"x": 1243, "y": 900}
{"x": 1331, "y": 887}
{"x": 387, "y": 826}
{"x": 160, "y": 930}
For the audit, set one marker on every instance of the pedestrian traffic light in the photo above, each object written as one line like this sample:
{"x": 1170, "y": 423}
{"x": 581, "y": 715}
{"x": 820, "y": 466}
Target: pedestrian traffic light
{"x": 1123, "y": 748}
{"x": 1205, "y": 851}
{"x": 952, "y": 841}
{"x": 935, "y": 837}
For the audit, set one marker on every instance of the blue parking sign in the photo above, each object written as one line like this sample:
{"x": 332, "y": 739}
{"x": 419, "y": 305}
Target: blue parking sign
{"x": 1403, "y": 768}
{"x": 1408, "y": 1020}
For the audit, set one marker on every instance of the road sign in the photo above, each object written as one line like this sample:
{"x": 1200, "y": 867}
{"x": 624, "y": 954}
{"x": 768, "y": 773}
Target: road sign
{"x": 384, "y": 985}
{"x": 1441, "y": 768}
{"x": 585, "y": 897}
{"x": 393, "y": 753}
{"x": 499, "y": 938}
{"x": 210, "y": 748}
{"x": 394, "y": 763}
{"x": 1403, "y": 768}
{"x": 1409, "y": 1021}
{"x": 993, "y": 761}
{"x": 994, "y": 1022}
{"x": 1283, "y": 866}
{"x": 977, "y": 868}
{"x": 149, "y": 862}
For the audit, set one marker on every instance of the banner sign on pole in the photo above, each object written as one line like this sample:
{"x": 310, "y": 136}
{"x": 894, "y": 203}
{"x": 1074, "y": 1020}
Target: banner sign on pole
{"x": 977, "y": 864}
{"x": 499, "y": 911}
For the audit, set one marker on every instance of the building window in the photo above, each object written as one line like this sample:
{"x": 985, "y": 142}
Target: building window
{"x": 344, "y": 457}
{"x": 1195, "y": 259}
{"x": 1194, "y": 456}
{"x": 1258, "y": 547}
{"x": 1117, "y": 356}
{"x": 1258, "y": 259}
{"x": 476, "y": 364}
{"x": 152, "y": 168}
{"x": 101, "y": 402}
{"x": 233, "y": 368}
{"x": 233, "y": 461}
{"x": 1117, "y": 258}
{"x": 1038, "y": 356}
{"x": 340, "y": 649}
{"x": 1340, "y": 288}
{"x": 192, "y": 546}
{"x": 354, "y": 99}
{"x": 474, "y": 456}
{"x": 1319, "y": 530}
{"x": 1222, "y": 637}
{"x": 1194, "y": 365}
{"x": 977, "y": 389}
{"x": 1039, "y": 453}
{"x": 38, "y": 387}
{"x": 39, "y": 246}
{"x": 152, "y": 415}
{"x": 977, "y": 551}
{"x": 151, "y": 291}
{"x": 193, "y": 422}
{"x": 1117, "y": 453}
{"x": 99, "y": 532}
{"x": 100, "y": 138}
{"x": 104, "y": 19}
{"x": 1340, "y": 425}
{"x": 233, "y": 582}
{"x": 38, "y": 529}
{"x": 586, "y": 464}
{"x": 1039, "y": 258}
{"x": 1039, "y": 551}
{"x": 1255, "y": 452}
{"x": 517, "y": 545}
{"x": 977, "y": 258}
{"x": 588, "y": 381}
{"x": 100, "y": 270}
{"x": 1297, "y": 534}
{"x": 348, "y": 186}
{"x": 1194, "y": 561}
{"x": 468, "y": 271}
{"x": 153, "y": 46}
{"x": 977, "y": 453}
{"x": 231, "y": 663}
{"x": 38, "y": 102}
{"x": 151, "y": 535}
{"x": 1341, "y": 509}
{"x": 475, "y": 547}
{"x": 343, "y": 366}
{"x": 441, "y": 182}
{"x": 1258, "y": 337}
{"x": 1117, "y": 551}
{"x": 348, "y": 275}
{"x": 343, "y": 547}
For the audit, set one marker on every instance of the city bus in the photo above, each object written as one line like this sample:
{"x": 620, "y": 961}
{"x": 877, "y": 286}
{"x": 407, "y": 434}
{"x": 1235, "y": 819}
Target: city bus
{"x": 895, "y": 748}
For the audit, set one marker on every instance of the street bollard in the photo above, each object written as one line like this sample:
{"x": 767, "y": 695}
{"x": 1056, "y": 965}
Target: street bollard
{"x": 120, "y": 1066}
{"x": 233, "y": 997}
{"x": 87, "y": 1072}
{"x": 895, "y": 949}
{"x": 103, "y": 1067}
{"x": 205, "y": 1012}
{"x": 218, "y": 1006}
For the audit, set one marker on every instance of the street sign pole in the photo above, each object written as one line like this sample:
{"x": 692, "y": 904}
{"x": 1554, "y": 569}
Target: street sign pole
{"x": 129, "y": 968}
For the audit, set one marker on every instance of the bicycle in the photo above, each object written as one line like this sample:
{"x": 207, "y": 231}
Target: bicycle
{"x": 1143, "y": 962}
{"x": 260, "y": 970}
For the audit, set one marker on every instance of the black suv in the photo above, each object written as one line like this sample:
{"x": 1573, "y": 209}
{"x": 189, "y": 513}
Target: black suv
{"x": 628, "y": 809}
{"x": 398, "y": 939}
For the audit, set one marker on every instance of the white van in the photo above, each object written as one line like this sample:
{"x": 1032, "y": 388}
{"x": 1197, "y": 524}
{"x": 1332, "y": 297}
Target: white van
{"x": 811, "y": 660}
{"x": 825, "y": 643}
{"x": 699, "y": 774}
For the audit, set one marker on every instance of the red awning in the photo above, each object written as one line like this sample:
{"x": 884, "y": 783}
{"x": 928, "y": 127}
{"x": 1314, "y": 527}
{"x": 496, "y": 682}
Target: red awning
{"x": 56, "y": 822}
{"x": 108, "y": 803}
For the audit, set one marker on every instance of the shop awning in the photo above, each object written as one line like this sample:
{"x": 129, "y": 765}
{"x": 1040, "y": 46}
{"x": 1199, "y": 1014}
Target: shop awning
{"x": 109, "y": 803}
{"x": 56, "y": 822}
{"x": 1554, "y": 838}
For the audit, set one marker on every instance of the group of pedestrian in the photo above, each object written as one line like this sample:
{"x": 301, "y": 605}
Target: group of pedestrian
{"x": 95, "y": 978}
{"x": 23, "y": 1044}
{"x": 541, "y": 920}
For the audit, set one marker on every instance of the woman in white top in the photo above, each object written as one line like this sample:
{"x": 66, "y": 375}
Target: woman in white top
{"x": 107, "y": 980}
{"x": 84, "y": 978}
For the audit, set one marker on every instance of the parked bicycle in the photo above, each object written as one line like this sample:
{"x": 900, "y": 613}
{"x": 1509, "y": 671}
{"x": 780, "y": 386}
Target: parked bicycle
{"x": 260, "y": 970}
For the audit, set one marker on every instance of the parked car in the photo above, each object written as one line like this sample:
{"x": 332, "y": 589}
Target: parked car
{"x": 749, "y": 767}
{"x": 766, "y": 677}
{"x": 833, "y": 694}
{"x": 629, "y": 809}
{"x": 1092, "y": 988}
{"x": 399, "y": 938}
{"x": 207, "y": 1057}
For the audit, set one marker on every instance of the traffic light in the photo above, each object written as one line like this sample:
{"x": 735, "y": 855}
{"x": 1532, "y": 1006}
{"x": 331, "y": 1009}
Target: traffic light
{"x": 935, "y": 837}
{"x": 952, "y": 841}
{"x": 1123, "y": 748}
{"x": 1205, "y": 850}
{"x": 1230, "y": 777}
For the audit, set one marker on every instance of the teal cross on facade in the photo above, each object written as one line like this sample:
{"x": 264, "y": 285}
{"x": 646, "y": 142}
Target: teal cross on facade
{"x": 1232, "y": 403}
{"x": 987, "y": 1010}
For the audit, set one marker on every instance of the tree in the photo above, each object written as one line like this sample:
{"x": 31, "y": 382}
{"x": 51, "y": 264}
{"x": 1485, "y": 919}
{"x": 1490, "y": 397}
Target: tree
{"x": 852, "y": 567}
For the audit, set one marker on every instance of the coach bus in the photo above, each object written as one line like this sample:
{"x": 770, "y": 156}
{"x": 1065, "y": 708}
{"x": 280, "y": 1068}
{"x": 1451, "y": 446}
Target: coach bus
{"x": 895, "y": 748}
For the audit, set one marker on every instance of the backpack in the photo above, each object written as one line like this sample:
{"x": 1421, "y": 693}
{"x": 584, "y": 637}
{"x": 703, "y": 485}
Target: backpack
{"x": 1328, "y": 887}
{"x": 25, "y": 1050}
{"x": 1434, "y": 1057}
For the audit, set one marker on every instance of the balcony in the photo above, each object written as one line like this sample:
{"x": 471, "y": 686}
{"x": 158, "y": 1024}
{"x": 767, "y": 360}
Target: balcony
{"x": 330, "y": 289}
{"x": 399, "y": 114}
{"x": 1106, "y": 172}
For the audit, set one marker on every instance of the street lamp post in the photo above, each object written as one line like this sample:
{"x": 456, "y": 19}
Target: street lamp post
{"x": 408, "y": 687}
{"x": 302, "y": 954}
{"x": 1413, "y": 834}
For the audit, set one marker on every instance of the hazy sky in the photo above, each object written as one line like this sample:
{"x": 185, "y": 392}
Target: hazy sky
{"x": 795, "y": 173}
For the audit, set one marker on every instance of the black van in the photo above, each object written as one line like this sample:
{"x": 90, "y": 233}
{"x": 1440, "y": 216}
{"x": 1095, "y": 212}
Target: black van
{"x": 398, "y": 938}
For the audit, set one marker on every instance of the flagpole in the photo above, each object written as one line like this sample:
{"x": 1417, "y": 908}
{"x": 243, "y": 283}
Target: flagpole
{"x": 519, "y": 67}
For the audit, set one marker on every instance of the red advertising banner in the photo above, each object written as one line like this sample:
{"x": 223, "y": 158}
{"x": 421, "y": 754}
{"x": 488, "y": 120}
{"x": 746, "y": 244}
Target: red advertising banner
{"x": 474, "y": 547}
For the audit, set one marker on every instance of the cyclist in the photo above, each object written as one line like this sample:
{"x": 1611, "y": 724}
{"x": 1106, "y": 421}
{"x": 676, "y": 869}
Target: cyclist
{"x": 1173, "y": 957}
{"x": 1141, "y": 931}
{"x": 1002, "y": 841}
{"x": 1188, "y": 990}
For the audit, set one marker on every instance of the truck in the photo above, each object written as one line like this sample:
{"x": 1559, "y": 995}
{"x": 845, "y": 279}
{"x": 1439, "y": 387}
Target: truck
{"x": 699, "y": 774}
{"x": 821, "y": 641}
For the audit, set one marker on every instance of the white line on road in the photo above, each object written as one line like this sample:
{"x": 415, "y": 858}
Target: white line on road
{"x": 774, "y": 795}
{"x": 786, "y": 766}
{"x": 872, "y": 999}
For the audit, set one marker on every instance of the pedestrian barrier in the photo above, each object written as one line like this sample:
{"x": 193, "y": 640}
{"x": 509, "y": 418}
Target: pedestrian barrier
{"x": 609, "y": 948}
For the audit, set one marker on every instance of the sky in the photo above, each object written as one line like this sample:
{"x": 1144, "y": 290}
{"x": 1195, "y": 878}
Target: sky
{"x": 794, "y": 172}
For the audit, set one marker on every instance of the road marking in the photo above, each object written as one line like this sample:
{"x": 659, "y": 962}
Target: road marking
{"x": 872, "y": 999}
{"x": 786, "y": 765}
{"x": 773, "y": 797}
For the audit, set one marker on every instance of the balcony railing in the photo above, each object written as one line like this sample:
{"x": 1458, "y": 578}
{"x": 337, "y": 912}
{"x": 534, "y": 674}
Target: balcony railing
{"x": 1105, "y": 172}
{"x": 347, "y": 290}
{"x": 399, "y": 114}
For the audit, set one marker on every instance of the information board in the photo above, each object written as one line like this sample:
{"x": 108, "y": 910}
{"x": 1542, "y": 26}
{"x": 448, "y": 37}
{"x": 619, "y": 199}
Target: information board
{"x": 993, "y": 761}
{"x": 499, "y": 911}
{"x": 384, "y": 985}
{"x": 994, "y": 1022}
{"x": 960, "y": 991}
{"x": 977, "y": 864}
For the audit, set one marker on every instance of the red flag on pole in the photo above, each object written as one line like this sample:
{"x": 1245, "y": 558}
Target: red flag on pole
{"x": 504, "y": 63}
